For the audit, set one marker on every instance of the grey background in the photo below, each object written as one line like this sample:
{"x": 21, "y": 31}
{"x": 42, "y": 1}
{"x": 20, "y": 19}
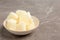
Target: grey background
{"x": 48, "y": 12}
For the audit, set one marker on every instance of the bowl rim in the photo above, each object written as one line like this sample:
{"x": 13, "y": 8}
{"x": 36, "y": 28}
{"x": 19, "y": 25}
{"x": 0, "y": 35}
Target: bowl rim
{"x": 22, "y": 31}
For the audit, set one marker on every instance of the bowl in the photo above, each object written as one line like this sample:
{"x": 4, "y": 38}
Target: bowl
{"x": 36, "y": 21}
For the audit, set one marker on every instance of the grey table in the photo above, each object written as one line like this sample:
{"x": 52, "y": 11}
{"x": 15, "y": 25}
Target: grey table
{"x": 48, "y": 12}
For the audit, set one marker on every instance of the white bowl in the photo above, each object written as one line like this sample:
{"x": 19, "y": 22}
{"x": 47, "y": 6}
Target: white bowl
{"x": 36, "y": 21}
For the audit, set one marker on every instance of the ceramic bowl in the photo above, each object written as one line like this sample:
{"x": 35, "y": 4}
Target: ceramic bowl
{"x": 36, "y": 21}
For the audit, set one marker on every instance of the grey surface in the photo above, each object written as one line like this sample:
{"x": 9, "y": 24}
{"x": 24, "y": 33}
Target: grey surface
{"x": 48, "y": 12}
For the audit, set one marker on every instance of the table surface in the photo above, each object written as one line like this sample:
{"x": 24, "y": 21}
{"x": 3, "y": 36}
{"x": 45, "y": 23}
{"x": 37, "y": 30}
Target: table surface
{"x": 48, "y": 12}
